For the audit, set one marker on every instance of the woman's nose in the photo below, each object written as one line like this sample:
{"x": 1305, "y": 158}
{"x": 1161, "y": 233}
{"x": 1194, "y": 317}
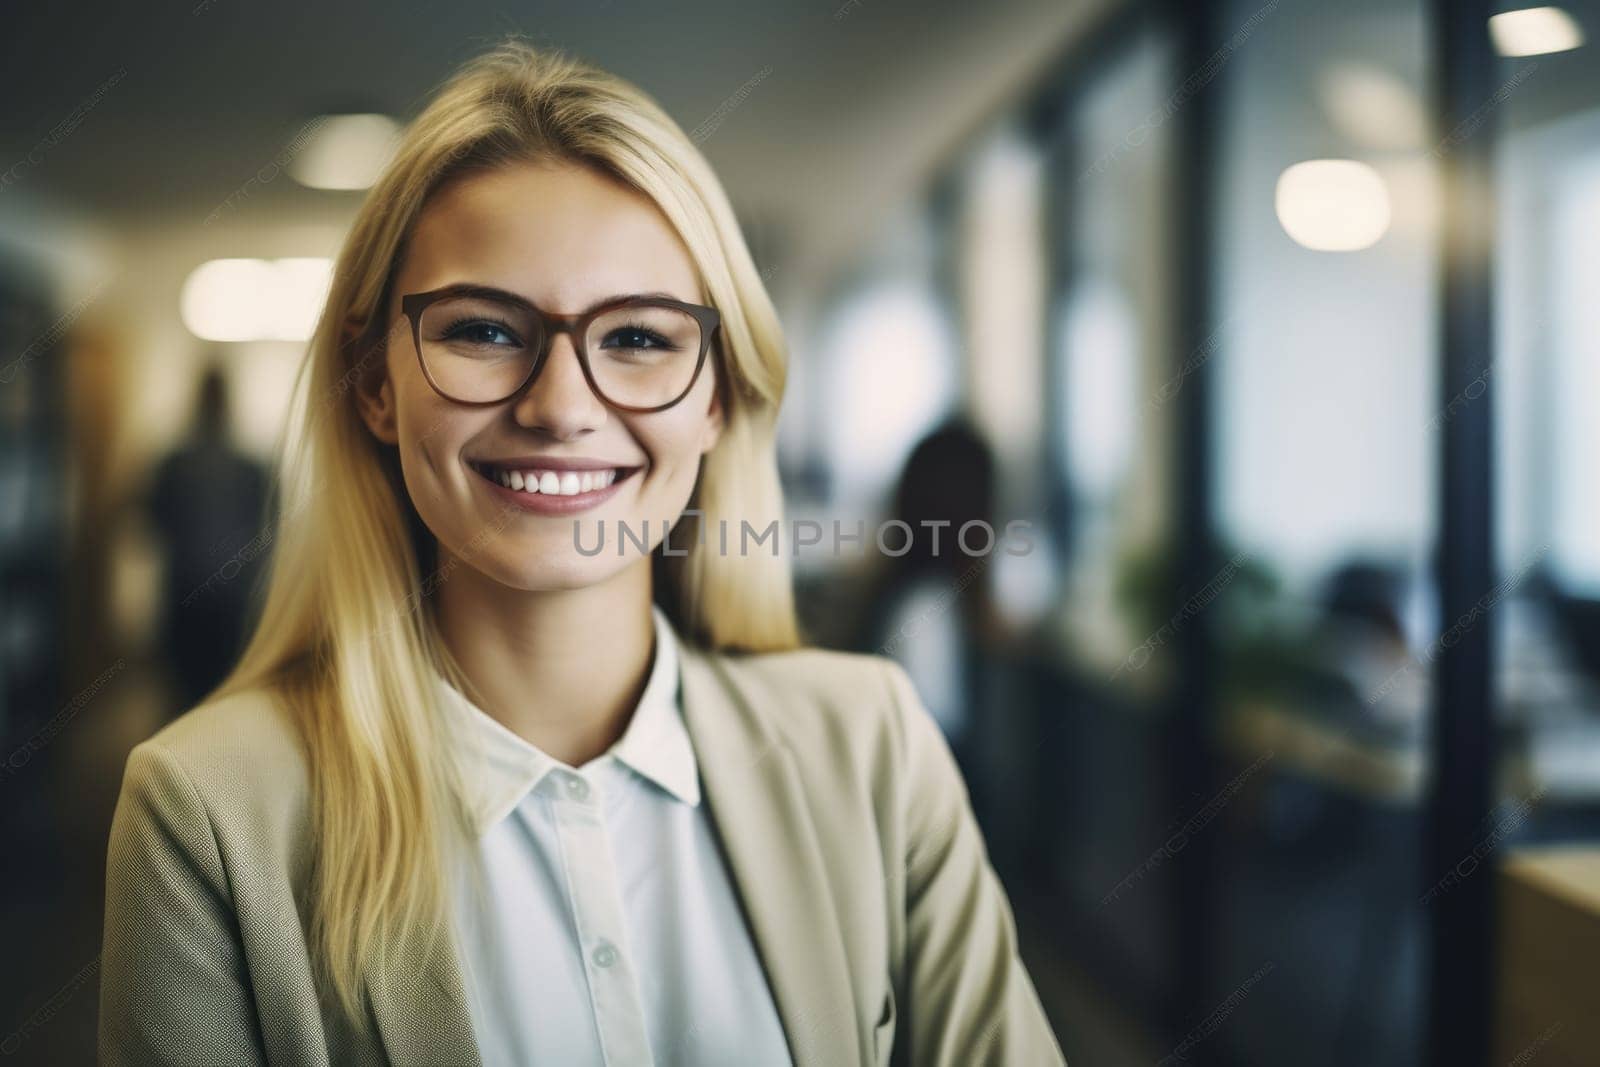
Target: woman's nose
{"x": 559, "y": 399}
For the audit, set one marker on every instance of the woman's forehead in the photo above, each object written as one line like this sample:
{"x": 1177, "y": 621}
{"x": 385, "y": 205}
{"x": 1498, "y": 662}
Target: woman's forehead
{"x": 560, "y": 235}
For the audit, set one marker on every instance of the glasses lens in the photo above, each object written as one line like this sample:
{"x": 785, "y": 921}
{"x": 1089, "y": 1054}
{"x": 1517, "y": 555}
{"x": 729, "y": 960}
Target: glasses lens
{"x": 643, "y": 354}
{"x": 478, "y": 348}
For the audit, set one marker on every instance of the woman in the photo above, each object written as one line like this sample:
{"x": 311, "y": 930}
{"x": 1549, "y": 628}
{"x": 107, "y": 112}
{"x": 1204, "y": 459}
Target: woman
{"x": 479, "y": 793}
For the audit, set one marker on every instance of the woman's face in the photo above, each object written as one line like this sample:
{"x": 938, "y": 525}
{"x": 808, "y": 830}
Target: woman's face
{"x": 564, "y": 238}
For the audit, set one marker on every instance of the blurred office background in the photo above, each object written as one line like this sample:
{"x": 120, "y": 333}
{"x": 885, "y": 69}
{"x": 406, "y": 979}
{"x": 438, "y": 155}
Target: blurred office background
{"x": 1276, "y": 320}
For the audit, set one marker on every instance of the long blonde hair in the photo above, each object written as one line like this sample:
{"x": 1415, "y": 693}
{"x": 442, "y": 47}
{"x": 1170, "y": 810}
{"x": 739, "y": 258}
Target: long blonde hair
{"x": 347, "y": 639}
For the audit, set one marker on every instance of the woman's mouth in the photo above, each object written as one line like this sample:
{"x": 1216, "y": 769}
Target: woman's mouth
{"x": 553, "y": 491}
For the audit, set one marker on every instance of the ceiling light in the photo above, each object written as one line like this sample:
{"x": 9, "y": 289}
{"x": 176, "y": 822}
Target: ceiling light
{"x": 345, "y": 151}
{"x": 1534, "y": 31}
{"x": 255, "y": 299}
{"x": 1333, "y": 205}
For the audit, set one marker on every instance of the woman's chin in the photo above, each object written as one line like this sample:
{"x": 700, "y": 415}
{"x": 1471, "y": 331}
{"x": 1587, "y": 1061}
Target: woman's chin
{"x": 551, "y": 574}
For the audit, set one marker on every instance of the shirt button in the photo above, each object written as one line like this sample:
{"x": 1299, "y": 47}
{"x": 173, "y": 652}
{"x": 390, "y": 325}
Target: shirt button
{"x": 605, "y": 955}
{"x": 578, "y": 788}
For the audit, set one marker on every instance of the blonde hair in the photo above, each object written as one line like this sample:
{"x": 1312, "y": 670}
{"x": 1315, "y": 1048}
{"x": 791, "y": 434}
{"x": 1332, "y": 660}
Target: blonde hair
{"x": 346, "y": 637}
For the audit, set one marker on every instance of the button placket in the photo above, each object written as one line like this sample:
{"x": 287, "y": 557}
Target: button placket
{"x": 598, "y": 914}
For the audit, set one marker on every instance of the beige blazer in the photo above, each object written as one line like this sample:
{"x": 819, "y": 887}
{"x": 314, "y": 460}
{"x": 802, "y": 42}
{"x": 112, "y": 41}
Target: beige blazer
{"x": 881, "y": 926}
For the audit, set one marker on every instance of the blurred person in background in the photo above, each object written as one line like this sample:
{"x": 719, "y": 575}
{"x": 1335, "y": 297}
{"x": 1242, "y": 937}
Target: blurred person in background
{"x": 1365, "y": 658}
{"x": 206, "y": 500}
{"x": 455, "y": 804}
{"x": 931, "y": 608}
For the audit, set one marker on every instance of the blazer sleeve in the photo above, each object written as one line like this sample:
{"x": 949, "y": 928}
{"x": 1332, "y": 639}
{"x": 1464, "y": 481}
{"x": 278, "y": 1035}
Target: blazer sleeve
{"x": 968, "y": 998}
{"x": 174, "y": 988}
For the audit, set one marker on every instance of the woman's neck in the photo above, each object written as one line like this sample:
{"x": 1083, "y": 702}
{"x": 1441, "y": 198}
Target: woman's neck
{"x": 562, "y": 669}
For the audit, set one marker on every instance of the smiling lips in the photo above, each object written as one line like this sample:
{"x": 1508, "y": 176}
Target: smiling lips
{"x": 552, "y": 482}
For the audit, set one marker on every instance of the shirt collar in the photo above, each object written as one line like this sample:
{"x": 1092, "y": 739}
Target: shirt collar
{"x": 499, "y": 768}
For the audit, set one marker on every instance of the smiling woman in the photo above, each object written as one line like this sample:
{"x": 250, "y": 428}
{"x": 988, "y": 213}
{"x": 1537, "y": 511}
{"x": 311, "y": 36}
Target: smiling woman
{"x": 474, "y": 796}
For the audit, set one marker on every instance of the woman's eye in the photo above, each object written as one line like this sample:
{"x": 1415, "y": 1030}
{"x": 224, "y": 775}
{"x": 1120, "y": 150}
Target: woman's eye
{"x": 482, "y": 333}
{"x": 633, "y": 337}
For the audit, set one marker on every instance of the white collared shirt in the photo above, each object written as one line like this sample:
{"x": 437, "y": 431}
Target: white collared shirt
{"x": 610, "y": 931}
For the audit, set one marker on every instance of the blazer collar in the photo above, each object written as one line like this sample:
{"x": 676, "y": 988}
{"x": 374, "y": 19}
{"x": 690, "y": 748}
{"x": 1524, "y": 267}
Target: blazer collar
{"x": 759, "y": 809}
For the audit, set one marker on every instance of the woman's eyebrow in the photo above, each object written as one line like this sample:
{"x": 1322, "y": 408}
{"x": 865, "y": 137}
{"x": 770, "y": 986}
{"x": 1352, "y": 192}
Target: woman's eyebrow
{"x": 615, "y": 297}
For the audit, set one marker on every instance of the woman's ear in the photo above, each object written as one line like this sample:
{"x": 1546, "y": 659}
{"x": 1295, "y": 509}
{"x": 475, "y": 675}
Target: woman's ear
{"x": 715, "y": 420}
{"x": 369, "y": 370}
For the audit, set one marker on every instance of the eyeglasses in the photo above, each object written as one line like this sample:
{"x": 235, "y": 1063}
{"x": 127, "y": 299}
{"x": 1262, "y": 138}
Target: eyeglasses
{"x": 480, "y": 345}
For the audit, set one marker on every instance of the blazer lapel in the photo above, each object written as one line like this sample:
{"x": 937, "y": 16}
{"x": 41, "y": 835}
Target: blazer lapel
{"x": 760, "y": 812}
{"x": 421, "y": 1008}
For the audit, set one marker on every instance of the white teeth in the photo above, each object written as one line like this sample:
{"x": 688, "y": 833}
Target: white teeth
{"x": 560, "y": 483}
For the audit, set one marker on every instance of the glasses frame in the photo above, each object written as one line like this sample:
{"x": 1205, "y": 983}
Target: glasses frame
{"x": 412, "y": 306}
